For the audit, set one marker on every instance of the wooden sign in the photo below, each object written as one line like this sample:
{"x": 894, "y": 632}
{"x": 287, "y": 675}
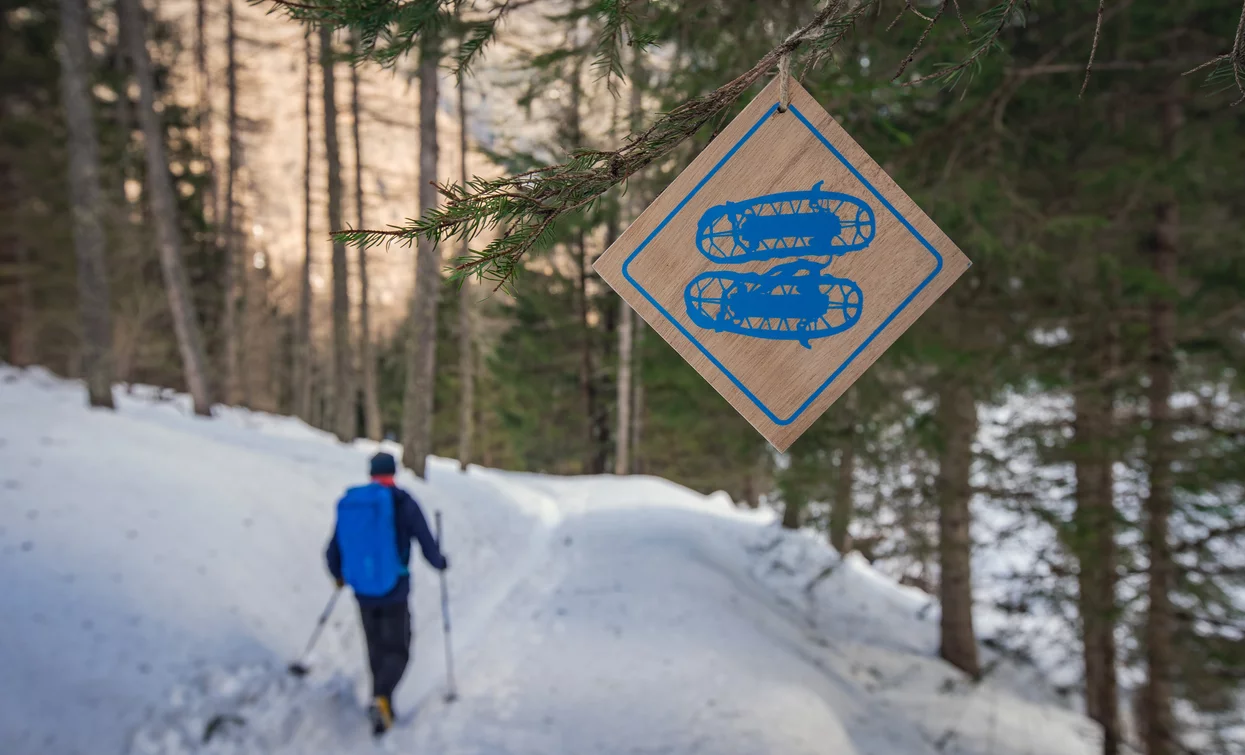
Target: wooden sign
{"x": 782, "y": 263}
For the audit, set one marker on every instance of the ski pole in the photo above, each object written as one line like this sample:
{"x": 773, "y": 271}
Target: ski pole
{"x": 451, "y": 694}
{"x": 299, "y": 668}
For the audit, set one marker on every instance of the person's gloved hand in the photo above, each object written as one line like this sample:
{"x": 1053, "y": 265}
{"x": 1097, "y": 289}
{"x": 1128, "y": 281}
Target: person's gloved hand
{"x": 445, "y": 562}
{"x": 340, "y": 582}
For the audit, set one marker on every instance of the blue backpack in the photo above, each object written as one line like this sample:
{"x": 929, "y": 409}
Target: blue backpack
{"x": 368, "y": 540}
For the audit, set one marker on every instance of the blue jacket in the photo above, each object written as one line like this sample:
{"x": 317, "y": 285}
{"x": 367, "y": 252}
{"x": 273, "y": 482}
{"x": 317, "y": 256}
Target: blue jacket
{"x": 411, "y": 525}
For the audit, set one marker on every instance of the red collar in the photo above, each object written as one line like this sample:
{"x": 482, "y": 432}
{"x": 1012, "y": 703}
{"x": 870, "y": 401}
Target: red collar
{"x": 384, "y": 479}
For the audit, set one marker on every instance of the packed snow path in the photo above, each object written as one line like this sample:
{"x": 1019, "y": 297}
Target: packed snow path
{"x": 161, "y": 570}
{"x": 631, "y": 638}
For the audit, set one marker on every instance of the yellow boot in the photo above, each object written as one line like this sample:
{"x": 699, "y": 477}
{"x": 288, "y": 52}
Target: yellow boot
{"x": 381, "y": 713}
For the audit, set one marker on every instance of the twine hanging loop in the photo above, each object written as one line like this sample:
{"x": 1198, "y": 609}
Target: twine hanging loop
{"x": 784, "y": 75}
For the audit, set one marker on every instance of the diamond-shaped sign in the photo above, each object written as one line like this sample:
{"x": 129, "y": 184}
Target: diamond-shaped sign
{"x": 782, "y": 263}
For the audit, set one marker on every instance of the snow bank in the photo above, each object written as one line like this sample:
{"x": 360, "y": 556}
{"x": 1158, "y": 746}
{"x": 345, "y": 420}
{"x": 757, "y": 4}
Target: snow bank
{"x": 887, "y": 634}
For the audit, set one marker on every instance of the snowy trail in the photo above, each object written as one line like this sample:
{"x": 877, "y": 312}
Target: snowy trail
{"x": 621, "y": 643}
{"x": 633, "y": 637}
{"x": 161, "y": 570}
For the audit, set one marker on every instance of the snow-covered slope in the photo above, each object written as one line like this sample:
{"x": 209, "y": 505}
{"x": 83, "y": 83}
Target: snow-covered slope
{"x": 159, "y": 570}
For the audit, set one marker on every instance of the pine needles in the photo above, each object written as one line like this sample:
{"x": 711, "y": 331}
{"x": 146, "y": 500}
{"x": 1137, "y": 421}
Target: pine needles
{"x": 1228, "y": 70}
{"x": 530, "y": 204}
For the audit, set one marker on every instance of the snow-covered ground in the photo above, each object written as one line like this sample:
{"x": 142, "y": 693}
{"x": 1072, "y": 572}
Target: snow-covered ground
{"x": 160, "y": 570}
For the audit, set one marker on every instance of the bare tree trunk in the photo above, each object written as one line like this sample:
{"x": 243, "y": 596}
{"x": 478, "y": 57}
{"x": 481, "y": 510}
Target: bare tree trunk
{"x": 421, "y": 355}
{"x": 841, "y": 508}
{"x": 791, "y": 515}
{"x": 229, "y": 233}
{"x": 130, "y": 238}
{"x": 1094, "y": 533}
{"x": 637, "y": 392}
{"x": 626, "y": 317}
{"x": 602, "y": 424}
{"x": 791, "y": 512}
{"x": 164, "y": 213}
{"x": 957, "y": 418}
{"x": 302, "y": 337}
{"x": 587, "y": 383}
{"x": 371, "y": 397}
{"x": 318, "y": 416}
{"x": 22, "y": 336}
{"x": 626, "y": 329}
{"x": 1160, "y": 728}
{"x": 343, "y": 414}
{"x": 23, "y": 345}
{"x": 86, "y": 197}
{"x": 205, "y": 118}
{"x": 466, "y": 339}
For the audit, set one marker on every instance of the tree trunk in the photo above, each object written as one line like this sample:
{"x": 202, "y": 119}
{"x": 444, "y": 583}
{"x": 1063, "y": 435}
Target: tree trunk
{"x": 622, "y": 452}
{"x": 130, "y": 239}
{"x": 302, "y": 338}
{"x": 841, "y": 508}
{"x": 791, "y": 515}
{"x": 343, "y": 420}
{"x": 1094, "y": 532}
{"x": 371, "y": 397}
{"x": 164, "y": 213}
{"x": 626, "y": 317}
{"x": 86, "y": 197}
{"x": 23, "y": 349}
{"x": 602, "y": 425}
{"x": 957, "y": 418}
{"x": 22, "y": 336}
{"x": 1160, "y": 734}
{"x": 205, "y": 119}
{"x": 466, "y": 339}
{"x": 587, "y": 383}
{"x": 421, "y": 354}
{"x": 637, "y": 393}
{"x": 229, "y": 233}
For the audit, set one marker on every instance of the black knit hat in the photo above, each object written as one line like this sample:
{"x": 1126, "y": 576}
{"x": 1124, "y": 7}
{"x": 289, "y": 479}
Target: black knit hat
{"x": 383, "y": 464}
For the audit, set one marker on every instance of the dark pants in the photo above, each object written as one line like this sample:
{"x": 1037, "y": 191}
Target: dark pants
{"x": 388, "y": 632}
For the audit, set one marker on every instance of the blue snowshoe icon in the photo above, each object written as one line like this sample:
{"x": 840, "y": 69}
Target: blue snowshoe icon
{"x": 797, "y": 301}
{"x": 814, "y": 223}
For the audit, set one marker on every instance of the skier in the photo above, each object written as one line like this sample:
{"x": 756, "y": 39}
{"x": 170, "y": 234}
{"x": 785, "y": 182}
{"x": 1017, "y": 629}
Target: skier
{"x": 370, "y": 550}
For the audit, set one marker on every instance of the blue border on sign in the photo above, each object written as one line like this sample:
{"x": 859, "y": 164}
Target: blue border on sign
{"x": 834, "y": 375}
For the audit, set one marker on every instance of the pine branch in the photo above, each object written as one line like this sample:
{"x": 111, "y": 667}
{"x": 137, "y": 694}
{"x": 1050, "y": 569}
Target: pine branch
{"x": 983, "y": 44}
{"x": 388, "y": 31}
{"x": 1093, "y": 50}
{"x": 531, "y": 204}
{"x": 960, "y": 15}
{"x": 921, "y": 42}
{"x": 1232, "y": 62}
{"x": 618, "y": 21}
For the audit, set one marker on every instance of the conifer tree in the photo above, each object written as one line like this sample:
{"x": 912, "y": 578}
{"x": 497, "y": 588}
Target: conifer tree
{"x": 164, "y": 211}
{"x": 303, "y": 355}
{"x": 367, "y": 356}
{"x": 466, "y": 337}
{"x": 86, "y": 203}
{"x": 233, "y": 267}
{"x": 422, "y": 346}
{"x": 342, "y": 416}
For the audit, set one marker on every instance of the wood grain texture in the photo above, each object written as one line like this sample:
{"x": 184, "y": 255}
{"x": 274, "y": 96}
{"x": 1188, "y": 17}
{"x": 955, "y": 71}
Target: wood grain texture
{"x": 782, "y": 386}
